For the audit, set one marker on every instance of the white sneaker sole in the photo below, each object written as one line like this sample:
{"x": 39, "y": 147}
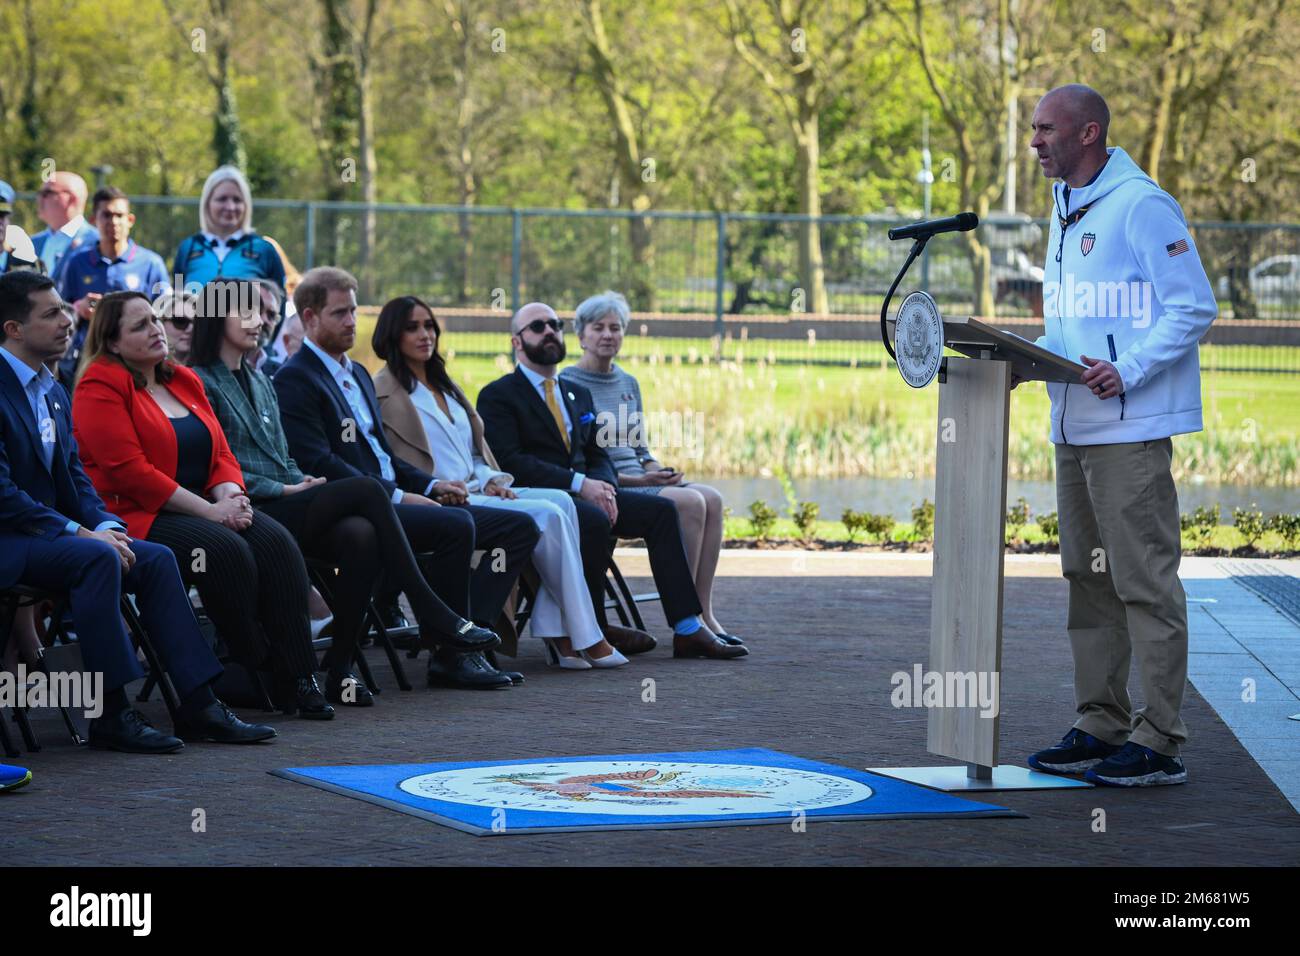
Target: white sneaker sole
{"x": 1080, "y": 767}
{"x": 1157, "y": 779}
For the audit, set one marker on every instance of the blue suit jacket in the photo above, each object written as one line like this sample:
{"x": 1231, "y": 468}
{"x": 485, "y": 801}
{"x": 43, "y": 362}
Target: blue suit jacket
{"x": 314, "y": 414}
{"x": 37, "y": 502}
{"x": 521, "y": 432}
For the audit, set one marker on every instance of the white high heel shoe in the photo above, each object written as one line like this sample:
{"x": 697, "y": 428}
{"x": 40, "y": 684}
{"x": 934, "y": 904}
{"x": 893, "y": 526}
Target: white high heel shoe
{"x": 612, "y": 659}
{"x": 566, "y": 663}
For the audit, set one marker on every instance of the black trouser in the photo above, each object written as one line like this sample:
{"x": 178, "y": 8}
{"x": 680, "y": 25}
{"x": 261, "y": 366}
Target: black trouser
{"x": 452, "y": 534}
{"x": 351, "y": 524}
{"x": 639, "y": 516}
{"x": 246, "y": 579}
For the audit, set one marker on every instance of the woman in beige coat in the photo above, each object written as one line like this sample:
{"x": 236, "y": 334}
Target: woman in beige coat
{"x": 431, "y": 424}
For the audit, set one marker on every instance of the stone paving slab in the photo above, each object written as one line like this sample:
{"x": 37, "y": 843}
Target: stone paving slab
{"x": 1245, "y": 657}
{"x": 825, "y": 641}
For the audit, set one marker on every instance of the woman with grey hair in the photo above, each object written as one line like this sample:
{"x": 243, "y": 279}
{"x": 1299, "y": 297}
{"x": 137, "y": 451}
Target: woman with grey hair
{"x": 599, "y": 323}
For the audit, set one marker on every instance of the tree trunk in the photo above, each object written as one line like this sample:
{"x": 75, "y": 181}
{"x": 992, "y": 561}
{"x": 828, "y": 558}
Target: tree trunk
{"x": 227, "y": 141}
{"x": 812, "y": 273}
{"x": 641, "y": 291}
{"x": 464, "y": 159}
{"x": 981, "y": 262}
{"x": 366, "y": 144}
{"x": 30, "y": 114}
{"x": 1158, "y": 131}
{"x": 1241, "y": 244}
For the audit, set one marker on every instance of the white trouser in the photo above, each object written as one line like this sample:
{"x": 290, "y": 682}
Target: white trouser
{"x": 563, "y": 606}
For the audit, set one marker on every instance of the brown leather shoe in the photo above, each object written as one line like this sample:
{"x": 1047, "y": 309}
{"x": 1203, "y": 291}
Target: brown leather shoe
{"x": 704, "y": 644}
{"x": 628, "y": 640}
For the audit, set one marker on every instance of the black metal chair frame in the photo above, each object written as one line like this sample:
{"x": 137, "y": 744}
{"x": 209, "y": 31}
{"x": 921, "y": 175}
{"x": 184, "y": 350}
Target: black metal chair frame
{"x": 227, "y": 660}
{"x": 18, "y": 596}
{"x": 320, "y": 572}
{"x": 619, "y": 596}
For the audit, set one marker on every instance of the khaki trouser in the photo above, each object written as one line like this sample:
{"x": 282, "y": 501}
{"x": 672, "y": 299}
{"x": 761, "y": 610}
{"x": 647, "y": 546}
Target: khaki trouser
{"x": 1120, "y": 548}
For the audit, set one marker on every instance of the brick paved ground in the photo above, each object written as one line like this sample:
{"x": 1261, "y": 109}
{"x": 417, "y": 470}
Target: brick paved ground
{"x": 826, "y": 633}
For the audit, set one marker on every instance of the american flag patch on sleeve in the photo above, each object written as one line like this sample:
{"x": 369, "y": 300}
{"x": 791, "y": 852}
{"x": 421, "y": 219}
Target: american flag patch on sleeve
{"x": 1176, "y": 248}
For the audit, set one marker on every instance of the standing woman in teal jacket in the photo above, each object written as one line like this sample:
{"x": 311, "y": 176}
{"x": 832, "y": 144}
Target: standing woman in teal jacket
{"x": 226, "y": 246}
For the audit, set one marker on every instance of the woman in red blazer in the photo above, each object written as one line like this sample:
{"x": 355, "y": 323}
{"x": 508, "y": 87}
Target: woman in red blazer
{"x": 156, "y": 454}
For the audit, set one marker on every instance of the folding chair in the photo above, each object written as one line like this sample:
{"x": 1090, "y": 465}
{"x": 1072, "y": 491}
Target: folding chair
{"x": 20, "y": 596}
{"x": 619, "y": 596}
{"x": 321, "y": 572}
{"x": 227, "y": 659}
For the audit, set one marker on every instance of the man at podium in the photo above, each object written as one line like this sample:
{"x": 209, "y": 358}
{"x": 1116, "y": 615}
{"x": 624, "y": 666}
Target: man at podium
{"x": 1126, "y": 295}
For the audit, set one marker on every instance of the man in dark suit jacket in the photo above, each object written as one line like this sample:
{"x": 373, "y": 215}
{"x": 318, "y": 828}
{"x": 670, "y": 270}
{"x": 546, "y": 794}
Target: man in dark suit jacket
{"x": 543, "y": 432}
{"x": 55, "y": 534}
{"x": 332, "y": 422}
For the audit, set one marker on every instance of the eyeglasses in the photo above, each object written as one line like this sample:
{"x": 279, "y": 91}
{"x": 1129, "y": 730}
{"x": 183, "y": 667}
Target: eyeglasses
{"x": 47, "y": 192}
{"x": 538, "y": 325}
{"x": 179, "y": 324}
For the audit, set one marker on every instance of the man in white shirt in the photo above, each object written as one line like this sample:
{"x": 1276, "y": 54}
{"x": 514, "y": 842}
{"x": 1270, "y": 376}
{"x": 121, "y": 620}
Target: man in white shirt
{"x": 332, "y": 423}
{"x": 61, "y": 205}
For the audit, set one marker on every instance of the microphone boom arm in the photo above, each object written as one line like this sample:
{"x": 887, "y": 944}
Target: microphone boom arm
{"x": 917, "y": 245}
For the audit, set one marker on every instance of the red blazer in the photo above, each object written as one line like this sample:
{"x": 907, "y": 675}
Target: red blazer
{"x": 128, "y": 446}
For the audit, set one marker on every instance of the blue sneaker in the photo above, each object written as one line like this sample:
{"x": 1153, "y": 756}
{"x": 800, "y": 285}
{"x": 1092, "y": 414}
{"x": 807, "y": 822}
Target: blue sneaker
{"x": 1076, "y": 753}
{"x": 11, "y": 778}
{"x": 1138, "y": 766}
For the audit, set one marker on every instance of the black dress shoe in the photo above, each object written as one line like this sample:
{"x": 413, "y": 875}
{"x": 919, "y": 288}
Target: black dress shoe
{"x": 129, "y": 732}
{"x": 516, "y": 678}
{"x": 467, "y": 637}
{"x": 391, "y": 616}
{"x": 345, "y": 687}
{"x": 468, "y": 670}
{"x": 311, "y": 701}
{"x": 704, "y": 644}
{"x": 731, "y": 639}
{"x": 217, "y": 723}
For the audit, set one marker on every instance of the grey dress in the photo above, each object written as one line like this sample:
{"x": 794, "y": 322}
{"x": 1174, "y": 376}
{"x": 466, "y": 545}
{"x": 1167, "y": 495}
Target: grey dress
{"x": 617, "y": 399}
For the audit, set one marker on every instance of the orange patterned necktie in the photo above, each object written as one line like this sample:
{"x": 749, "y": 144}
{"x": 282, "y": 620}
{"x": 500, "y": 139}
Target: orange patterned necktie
{"x": 558, "y": 415}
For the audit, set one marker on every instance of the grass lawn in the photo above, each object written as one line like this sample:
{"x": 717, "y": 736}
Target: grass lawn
{"x": 1224, "y": 538}
{"x": 748, "y": 416}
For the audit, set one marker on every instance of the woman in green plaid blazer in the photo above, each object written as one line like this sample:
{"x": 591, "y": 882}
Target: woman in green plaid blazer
{"x": 349, "y": 523}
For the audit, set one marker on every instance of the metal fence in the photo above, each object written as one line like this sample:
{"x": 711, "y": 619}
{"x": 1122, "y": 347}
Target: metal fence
{"x": 732, "y": 277}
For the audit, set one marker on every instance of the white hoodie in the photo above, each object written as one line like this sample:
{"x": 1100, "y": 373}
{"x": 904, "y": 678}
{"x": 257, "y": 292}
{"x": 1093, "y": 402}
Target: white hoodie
{"x": 1125, "y": 273}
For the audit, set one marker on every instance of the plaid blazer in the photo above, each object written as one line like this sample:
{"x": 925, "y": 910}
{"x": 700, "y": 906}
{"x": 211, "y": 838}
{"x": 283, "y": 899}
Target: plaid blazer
{"x": 253, "y": 430}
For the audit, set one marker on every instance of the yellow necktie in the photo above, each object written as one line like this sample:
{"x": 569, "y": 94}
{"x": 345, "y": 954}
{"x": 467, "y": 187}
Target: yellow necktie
{"x": 558, "y": 415}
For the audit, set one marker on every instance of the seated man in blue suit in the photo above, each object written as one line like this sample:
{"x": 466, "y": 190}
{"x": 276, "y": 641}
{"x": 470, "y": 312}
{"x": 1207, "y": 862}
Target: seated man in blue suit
{"x": 333, "y": 426}
{"x": 56, "y": 534}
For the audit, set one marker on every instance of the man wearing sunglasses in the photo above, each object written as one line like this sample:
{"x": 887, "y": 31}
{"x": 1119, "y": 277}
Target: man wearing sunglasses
{"x": 113, "y": 264}
{"x": 61, "y": 204}
{"x": 544, "y": 432}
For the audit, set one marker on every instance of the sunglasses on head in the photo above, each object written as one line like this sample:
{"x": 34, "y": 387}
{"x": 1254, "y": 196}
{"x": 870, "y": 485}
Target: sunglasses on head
{"x": 538, "y": 325}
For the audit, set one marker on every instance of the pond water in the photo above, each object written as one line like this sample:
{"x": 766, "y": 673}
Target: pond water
{"x": 897, "y": 496}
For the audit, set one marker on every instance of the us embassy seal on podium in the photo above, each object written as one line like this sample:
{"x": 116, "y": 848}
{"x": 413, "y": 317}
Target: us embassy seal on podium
{"x": 918, "y": 339}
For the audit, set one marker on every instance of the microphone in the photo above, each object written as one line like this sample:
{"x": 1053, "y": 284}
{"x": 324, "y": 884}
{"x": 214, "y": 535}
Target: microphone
{"x": 962, "y": 222}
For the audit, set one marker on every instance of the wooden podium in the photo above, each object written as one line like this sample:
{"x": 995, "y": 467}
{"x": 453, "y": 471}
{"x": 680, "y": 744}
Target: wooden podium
{"x": 969, "y": 527}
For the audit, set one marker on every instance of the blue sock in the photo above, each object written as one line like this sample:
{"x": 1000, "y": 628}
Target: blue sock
{"x": 688, "y": 626}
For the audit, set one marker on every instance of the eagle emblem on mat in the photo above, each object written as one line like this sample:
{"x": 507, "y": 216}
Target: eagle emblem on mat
{"x": 643, "y": 784}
